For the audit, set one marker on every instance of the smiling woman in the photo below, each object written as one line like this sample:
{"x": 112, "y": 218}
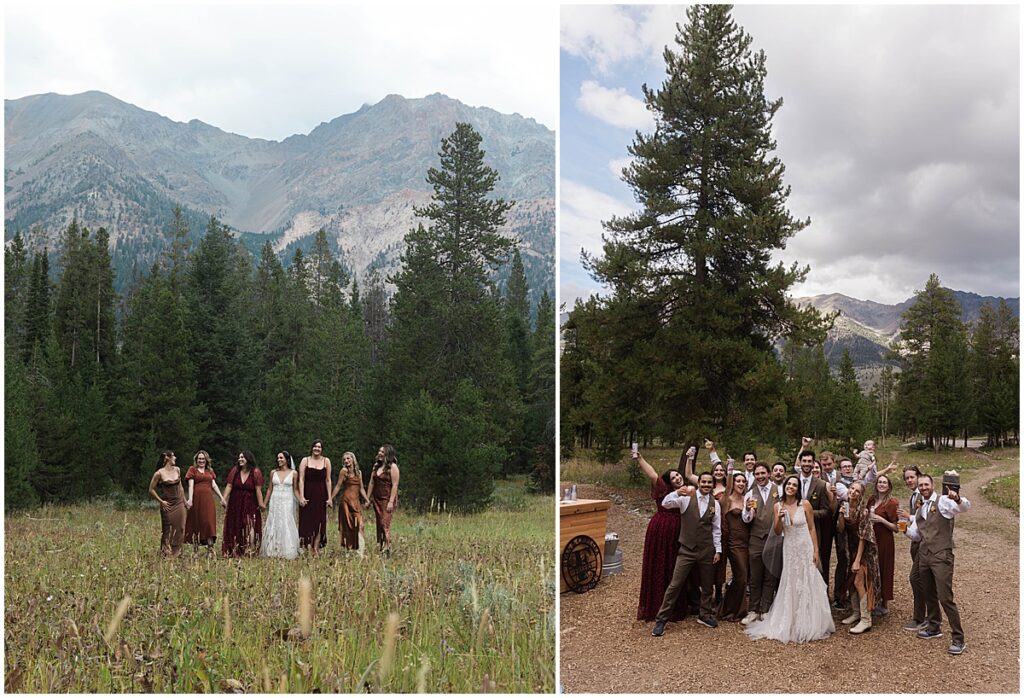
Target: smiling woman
{"x": 696, "y": 209}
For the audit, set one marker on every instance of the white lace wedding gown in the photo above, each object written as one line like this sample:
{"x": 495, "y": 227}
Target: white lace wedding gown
{"x": 281, "y": 533}
{"x": 800, "y": 612}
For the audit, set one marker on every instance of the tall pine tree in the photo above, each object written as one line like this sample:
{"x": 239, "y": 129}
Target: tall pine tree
{"x": 690, "y": 272}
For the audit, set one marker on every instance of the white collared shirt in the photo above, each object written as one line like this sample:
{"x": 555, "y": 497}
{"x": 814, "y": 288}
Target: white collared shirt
{"x": 805, "y": 485}
{"x": 946, "y": 506}
{"x": 673, "y": 501}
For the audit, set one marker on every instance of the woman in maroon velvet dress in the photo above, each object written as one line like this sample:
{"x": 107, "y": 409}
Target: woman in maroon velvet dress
{"x": 383, "y": 493}
{"x": 314, "y": 484}
{"x": 883, "y": 508}
{"x": 735, "y": 537}
{"x": 243, "y": 524}
{"x": 661, "y": 545}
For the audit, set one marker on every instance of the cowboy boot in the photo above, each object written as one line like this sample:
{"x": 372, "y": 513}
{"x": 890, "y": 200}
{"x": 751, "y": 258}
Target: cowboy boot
{"x": 865, "y": 618}
{"x": 854, "y": 607}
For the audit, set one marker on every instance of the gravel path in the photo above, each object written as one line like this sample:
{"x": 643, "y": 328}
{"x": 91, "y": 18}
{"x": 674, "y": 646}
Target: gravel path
{"x": 604, "y": 649}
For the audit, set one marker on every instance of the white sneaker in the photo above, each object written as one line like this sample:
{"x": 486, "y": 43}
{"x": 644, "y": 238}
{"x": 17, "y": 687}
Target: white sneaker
{"x": 749, "y": 618}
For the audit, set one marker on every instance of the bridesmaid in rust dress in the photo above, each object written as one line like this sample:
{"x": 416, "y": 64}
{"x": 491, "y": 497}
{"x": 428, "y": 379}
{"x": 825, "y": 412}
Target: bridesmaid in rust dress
{"x": 165, "y": 487}
{"x": 201, "y": 524}
{"x": 661, "y": 544}
{"x": 883, "y": 508}
{"x": 350, "y": 511}
{"x": 383, "y": 493}
{"x": 735, "y": 537}
{"x": 243, "y": 524}
{"x": 314, "y": 484}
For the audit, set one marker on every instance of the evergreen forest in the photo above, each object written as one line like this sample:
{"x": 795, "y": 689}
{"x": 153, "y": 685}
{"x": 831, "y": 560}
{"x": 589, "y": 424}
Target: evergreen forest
{"x": 216, "y": 348}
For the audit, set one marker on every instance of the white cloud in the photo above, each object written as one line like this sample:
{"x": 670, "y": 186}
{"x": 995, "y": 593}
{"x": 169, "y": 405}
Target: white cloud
{"x": 614, "y": 106}
{"x": 273, "y": 70}
{"x": 617, "y": 165}
{"x": 602, "y": 35}
{"x": 581, "y": 211}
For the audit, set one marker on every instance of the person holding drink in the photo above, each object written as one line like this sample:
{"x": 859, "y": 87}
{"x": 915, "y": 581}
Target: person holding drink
{"x": 735, "y": 536}
{"x": 661, "y": 542}
{"x": 917, "y": 621}
{"x": 932, "y": 527}
{"x": 883, "y": 507}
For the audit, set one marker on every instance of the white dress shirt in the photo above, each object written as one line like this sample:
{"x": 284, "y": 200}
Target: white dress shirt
{"x": 805, "y": 486}
{"x": 673, "y": 501}
{"x": 946, "y": 506}
{"x": 766, "y": 494}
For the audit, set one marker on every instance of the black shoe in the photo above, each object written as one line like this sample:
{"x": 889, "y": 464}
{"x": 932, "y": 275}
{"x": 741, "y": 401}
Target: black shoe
{"x": 957, "y": 647}
{"x": 927, "y": 634}
{"x": 659, "y": 630}
{"x": 707, "y": 621}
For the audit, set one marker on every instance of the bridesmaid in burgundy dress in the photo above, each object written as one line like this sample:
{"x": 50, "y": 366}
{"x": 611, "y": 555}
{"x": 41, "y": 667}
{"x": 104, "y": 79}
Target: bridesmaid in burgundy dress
{"x": 383, "y": 493}
{"x": 661, "y": 544}
{"x": 172, "y": 504}
{"x": 243, "y": 524}
{"x": 314, "y": 484}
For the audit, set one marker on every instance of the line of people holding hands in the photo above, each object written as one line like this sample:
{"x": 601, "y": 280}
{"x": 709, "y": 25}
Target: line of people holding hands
{"x": 295, "y": 503}
{"x": 776, "y": 531}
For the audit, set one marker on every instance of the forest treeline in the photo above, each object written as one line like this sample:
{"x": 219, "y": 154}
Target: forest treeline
{"x": 698, "y": 335}
{"x": 216, "y": 349}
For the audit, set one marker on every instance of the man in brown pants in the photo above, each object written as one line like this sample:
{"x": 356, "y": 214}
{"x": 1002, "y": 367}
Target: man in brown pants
{"x": 757, "y": 511}
{"x": 700, "y": 545}
{"x": 917, "y": 622}
{"x": 933, "y": 527}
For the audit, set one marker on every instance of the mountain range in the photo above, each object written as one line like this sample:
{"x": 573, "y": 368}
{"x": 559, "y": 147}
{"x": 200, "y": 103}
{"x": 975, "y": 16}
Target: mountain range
{"x": 358, "y": 176}
{"x": 866, "y": 328}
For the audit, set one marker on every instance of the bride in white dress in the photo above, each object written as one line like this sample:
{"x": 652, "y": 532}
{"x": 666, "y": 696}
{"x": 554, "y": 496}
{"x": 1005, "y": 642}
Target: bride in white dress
{"x": 281, "y": 532}
{"x": 800, "y": 612}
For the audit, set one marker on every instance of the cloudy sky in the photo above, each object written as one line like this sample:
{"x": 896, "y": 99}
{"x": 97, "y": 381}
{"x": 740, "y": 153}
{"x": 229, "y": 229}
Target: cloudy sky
{"x": 273, "y": 70}
{"x": 899, "y": 132}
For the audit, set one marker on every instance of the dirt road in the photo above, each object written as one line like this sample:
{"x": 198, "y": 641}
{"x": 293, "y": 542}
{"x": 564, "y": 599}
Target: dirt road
{"x": 604, "y": 649}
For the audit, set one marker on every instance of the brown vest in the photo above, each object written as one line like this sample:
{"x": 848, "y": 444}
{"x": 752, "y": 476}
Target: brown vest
{"x": 765, "y": 515}
{"x": 936, "y": 530}
{"x": 695, "y": 531}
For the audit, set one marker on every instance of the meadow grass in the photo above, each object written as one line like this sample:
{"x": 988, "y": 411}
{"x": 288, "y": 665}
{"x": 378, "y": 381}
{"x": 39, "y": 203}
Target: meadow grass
{"x": 1005, "y": 492}
{"x": 464, "y": 602}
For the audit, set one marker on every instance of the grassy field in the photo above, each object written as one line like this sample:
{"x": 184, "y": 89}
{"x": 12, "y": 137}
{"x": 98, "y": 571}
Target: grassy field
{"x": 1005, "y": 492}
{"x": 473, "y": 598}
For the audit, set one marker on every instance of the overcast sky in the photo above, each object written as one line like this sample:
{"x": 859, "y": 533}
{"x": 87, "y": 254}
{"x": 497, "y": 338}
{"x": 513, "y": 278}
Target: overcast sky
{"x": 273, "y": 70}
{"x": 899, "y": 133}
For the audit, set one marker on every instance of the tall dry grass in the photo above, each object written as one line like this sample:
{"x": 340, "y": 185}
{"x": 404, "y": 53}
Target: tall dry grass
{"x": 464, "y": 603}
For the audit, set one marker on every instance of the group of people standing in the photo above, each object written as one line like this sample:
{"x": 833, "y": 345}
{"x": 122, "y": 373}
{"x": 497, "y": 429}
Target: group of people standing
{"x": 777, "y": 530}
{"x": 295, "y": 503}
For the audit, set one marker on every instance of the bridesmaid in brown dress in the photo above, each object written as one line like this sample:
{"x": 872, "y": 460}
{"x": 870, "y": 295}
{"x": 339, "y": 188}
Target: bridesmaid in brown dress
{"x": 883, "y": 508}
{"x": 201, "y": 524}
{"x": 243, "y": 524}
{"x": 735, "y": 536}
{"x": 383, "y": 493}
{"x": 165, "y": 487}
{"x": 314, "y": 484}
{"x": 350, "y": 511}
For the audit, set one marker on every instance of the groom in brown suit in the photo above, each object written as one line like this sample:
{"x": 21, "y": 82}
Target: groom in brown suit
{"x": 760, "y": 517}
{"x": 815, "y": 491}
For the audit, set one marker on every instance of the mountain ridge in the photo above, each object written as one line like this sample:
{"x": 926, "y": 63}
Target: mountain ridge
{"x": 359, "y": 175}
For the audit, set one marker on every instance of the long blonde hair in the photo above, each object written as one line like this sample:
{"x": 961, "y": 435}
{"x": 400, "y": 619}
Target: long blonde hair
{"x": 355, "y": 462}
